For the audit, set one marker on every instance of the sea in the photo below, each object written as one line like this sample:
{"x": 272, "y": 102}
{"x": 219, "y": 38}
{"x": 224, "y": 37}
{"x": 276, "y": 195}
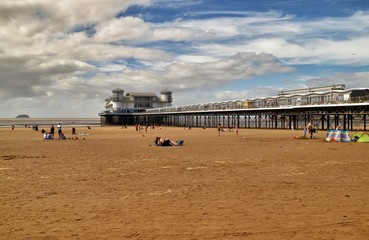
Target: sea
{"x": 47, "y": 122}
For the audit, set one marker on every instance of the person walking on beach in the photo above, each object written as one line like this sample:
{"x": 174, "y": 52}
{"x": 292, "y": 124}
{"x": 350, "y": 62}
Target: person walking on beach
{"x": 59, "y": 127}
{"x": 310, "y": 129}
{"x": 219, "y": 128}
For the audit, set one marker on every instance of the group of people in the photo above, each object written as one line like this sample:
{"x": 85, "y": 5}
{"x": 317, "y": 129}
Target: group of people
{"x": 230, "y": 129}
{"x": 61, "y": 136}
{"x": 138, "y": 127}
{"x": 50, "y": 134}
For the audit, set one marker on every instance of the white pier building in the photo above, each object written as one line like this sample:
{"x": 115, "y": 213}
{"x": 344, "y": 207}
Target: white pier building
{"x": 133, "y": 102}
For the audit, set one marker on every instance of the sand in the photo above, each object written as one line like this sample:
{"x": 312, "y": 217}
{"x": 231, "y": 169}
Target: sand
{"x": 113, "y": 184}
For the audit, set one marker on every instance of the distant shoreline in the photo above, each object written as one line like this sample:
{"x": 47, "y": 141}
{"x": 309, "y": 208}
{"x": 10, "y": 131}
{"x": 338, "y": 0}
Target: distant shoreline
{"x": 22, "y": 122}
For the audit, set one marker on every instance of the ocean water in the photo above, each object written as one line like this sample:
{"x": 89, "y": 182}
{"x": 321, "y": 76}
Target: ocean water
{"x": 46, "y": 122}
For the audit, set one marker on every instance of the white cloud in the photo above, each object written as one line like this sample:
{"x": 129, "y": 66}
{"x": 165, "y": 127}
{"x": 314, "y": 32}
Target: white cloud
{"x": 179, "y": 34}
{"x": 64, "y": 55}
{"x": 42, "y": 59}
{"x": 195, "y": 97}
{"x": 188, "y": 76}
{"x": 351, "y": 80}
{"x": 135, "y": 30}
{"x": 238, "y": 67}
{"x": 28, "y": 18}
{"x": 195, "y": 58}
{"x": 313, "y": 51}
{"x": 259, "y": 91}
{"x": 298, "y": 42}
{"x": 123, "y": 29}
{"x": 176, "y": 3}
{"x": 112, "y": 68}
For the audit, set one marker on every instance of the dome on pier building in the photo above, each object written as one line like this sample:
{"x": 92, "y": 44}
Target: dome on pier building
{"x": 118, "y": 90}
{"x": 166, "y": 96}
{"x": 118, "y": 94}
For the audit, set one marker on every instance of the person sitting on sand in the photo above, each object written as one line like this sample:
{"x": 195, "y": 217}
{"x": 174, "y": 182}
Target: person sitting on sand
{"x": 167, "y": 142}
{"x": 74, "y": 134}
{"x": 47, "y": 135}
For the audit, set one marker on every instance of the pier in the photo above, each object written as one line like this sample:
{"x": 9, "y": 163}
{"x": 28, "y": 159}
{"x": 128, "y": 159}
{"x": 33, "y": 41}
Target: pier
{"x": 353, "y": 116}
{"x": 327, "y": 107}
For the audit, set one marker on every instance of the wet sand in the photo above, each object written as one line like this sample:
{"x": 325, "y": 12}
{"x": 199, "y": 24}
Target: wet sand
{"x": 113, "y": 184}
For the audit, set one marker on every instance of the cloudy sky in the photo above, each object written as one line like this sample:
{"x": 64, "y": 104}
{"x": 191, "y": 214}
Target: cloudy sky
{"x": 63, "y": 58}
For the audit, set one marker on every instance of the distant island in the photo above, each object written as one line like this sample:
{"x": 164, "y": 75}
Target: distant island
{"x": 22, "y": 116}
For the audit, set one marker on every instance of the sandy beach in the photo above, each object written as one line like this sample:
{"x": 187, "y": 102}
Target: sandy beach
{"x": 114, "y": 184}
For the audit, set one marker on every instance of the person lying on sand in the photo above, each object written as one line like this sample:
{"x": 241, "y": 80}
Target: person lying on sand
{"x": 167, "y": 142}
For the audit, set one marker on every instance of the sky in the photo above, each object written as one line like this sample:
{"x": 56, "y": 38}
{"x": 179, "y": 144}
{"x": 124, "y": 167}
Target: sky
{"x": 61, "y": 59}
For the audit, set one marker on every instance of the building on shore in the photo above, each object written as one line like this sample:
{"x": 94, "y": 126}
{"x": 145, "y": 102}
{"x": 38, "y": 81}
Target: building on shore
{"x": 134, "y": 102}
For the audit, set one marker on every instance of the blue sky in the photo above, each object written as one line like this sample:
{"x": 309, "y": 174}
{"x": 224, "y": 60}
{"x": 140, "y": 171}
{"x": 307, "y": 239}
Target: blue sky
{"x": 62, "y": 59}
